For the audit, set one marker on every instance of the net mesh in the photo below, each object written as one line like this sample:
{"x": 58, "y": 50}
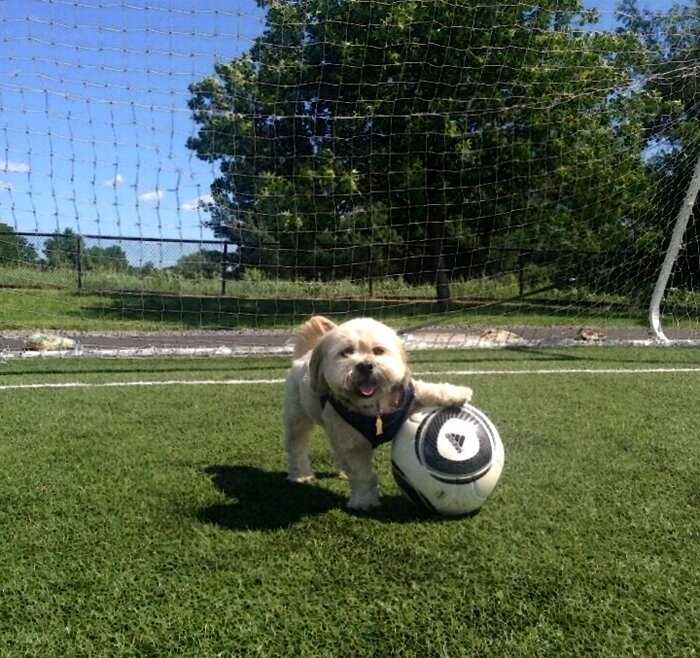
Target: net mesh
{"x": 472, "y": 166}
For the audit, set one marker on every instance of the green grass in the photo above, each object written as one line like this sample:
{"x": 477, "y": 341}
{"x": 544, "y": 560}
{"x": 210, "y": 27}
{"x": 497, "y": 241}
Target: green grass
{"x": 254, "y": 284}
{"x": 61, "y": 309}
{"x": 32, "y": 298}
{"x": 157, "y": 521}
{"x": 120, "y": 301}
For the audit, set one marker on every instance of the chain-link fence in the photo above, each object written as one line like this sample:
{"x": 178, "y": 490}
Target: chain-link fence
{"x": 98, "y": 263}
{"x": 103, "y": 283}
{"x": 172, "y": 266}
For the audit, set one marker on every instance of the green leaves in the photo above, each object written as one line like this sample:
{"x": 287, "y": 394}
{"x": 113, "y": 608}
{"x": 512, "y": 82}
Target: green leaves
{"x": 502, "y": 116}
{"x": 14, "y": 249}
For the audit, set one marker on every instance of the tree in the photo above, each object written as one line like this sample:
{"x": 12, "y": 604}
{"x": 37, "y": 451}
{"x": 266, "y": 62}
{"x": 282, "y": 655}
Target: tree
{"x": 437, "y": 132}
{"x": 672, "y": 40}
{"x": 15, "y": 249}
{"x": 147, "y": 269}
{"x": 61, "y": 249}
{"x": 106, "y": 258}
{"x": 203, "y": 263}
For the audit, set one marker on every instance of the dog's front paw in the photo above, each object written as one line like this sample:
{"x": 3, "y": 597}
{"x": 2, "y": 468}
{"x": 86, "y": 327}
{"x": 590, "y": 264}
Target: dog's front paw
{"x": 363, "y": 503}
{"x": 301, "y": 479}
{"x": 459, "y": 395}
{"x": 466, "y": 394}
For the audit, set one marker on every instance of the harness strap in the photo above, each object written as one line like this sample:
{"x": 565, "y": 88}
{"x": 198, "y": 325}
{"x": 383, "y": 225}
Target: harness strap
{"x": 376, "y": 429}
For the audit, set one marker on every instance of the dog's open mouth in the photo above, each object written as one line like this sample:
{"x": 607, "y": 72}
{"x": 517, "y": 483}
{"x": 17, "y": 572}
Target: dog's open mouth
{"x": 367, "y": 390}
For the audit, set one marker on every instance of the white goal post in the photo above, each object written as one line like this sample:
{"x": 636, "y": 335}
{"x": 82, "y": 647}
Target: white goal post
{"x": 674, "y": 247}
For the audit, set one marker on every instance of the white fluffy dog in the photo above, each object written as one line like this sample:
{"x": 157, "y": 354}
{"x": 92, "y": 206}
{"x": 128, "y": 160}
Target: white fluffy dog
{"x": 353, "y": 380}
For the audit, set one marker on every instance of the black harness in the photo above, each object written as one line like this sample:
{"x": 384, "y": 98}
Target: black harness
{"x": 376, "y": 429}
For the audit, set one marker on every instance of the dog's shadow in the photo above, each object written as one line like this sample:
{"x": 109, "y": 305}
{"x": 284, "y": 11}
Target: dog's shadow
{"x": 264, "y": 500}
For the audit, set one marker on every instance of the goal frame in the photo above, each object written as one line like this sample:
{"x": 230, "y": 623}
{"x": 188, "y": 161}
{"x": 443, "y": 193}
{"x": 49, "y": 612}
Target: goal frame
{"x": 674, "y": 247}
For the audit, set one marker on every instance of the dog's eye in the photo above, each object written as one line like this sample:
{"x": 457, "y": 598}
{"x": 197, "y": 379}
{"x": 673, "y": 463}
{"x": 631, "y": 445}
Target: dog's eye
{"x": 347, "y": 352}
{"x": 378, "y": 350}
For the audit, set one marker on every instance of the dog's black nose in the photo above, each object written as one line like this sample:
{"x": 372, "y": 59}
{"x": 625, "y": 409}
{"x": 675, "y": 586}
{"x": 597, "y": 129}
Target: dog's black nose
{"x": 364, "y": 367}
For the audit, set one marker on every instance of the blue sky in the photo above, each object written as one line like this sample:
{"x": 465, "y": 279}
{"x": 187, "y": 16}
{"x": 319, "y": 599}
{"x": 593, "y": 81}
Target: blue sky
{"x": 94, "y": 117}
{"x": 93, "y": 110}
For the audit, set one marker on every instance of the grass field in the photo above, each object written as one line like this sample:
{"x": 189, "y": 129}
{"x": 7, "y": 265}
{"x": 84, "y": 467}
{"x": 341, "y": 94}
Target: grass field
{"x": 66, "y": 310}
{"x": 31, "y": 298}
{"x": 156, "y": 520}
{"x": 258, "y": 284}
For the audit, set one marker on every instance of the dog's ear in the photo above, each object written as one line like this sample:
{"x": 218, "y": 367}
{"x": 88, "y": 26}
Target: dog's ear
{"x": 316, "y": 378}
{"x": 310, "y": 333}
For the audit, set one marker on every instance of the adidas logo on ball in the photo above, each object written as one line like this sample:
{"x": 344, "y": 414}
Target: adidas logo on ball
{"x": 457, "y": 440}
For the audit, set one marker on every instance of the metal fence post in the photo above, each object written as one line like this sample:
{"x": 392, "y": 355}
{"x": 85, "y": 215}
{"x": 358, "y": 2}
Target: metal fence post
{"x": 79, "y": 260}
{"x": 521, "y": 273}
{"x": 224, "y": 261}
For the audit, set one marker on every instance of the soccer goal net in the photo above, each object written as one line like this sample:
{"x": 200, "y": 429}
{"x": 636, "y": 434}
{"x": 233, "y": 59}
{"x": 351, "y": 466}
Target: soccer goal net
{"x": 465, "y": 171}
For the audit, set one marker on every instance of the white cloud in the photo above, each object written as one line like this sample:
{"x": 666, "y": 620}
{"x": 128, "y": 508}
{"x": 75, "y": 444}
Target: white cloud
{"x": 5, "y": 186}
{"x": 194, "y": 204}
{"x": 14, "y": 167}
{"x": 114, "y": 182}
{"x": 151, "y": 195}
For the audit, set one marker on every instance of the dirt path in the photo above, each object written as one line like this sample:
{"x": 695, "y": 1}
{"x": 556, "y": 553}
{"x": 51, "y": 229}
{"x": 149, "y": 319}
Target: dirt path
{"x": 270, "y": 341}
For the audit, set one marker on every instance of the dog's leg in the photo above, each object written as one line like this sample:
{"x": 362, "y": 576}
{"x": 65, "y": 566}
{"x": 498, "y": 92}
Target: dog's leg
{"x": 341, "y": 464}
{"x": 440, "y": 395}
{"x": 355, "y": 459}
{"x": 297, "y": 430}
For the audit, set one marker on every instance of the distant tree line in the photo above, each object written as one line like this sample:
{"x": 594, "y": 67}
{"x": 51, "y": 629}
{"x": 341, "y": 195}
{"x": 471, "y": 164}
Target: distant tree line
{"x": 61, "y": 250}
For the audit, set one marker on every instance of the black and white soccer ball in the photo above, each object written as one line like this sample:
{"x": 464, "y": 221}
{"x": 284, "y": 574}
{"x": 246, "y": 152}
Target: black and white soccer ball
{"x": 448, "y": 460}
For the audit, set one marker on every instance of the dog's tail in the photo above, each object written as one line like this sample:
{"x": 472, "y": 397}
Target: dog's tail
{"x": 310, "y": 333}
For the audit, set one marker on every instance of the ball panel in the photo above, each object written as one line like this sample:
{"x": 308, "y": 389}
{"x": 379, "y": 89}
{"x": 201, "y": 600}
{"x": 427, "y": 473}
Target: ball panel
{"x": 417, "y": 499}
{"x": 463, "y": 479}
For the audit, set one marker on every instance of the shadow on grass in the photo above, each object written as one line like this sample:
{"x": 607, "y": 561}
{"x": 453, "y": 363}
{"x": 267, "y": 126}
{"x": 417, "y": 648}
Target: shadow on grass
{"x": 204, "y": 312}
{"x": 208, "y": 312}
{"x": 201, "y": 366}
{"x": 266, "y": 501}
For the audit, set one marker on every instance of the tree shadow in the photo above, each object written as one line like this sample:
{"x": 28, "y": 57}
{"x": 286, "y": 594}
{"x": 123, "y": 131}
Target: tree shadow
{"x": 215, "y": 312}
{"x": 264, "y": 500}
{"x": 209, "y": 312}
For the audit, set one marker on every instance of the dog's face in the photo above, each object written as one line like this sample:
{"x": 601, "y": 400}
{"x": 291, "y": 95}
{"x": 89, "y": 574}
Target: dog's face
{"x": 362, "y": 363}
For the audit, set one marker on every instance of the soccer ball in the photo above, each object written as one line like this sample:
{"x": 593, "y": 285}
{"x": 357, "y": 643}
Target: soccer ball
{"x": 448, "y": 460}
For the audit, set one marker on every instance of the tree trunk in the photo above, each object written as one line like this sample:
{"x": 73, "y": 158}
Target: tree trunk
{"x": 436, "y": 217}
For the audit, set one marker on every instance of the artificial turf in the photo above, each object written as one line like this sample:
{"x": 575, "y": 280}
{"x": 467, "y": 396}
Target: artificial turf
{"x": 157, "y": 521}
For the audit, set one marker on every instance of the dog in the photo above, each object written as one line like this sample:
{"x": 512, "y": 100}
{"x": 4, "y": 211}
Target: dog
{"x": 353, "y": 380}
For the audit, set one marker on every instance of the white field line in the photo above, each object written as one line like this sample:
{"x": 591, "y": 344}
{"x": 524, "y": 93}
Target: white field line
{"x": 561, "y": 371}
{"x": 164, "y": 382}
{"x": 250, "y": 382}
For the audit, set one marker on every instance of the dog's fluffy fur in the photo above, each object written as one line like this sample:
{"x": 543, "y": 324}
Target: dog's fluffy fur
{"x": 361, "y": 363}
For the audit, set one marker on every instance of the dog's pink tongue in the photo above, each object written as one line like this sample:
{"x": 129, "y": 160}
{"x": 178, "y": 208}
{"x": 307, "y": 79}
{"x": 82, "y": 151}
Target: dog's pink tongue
{"x": 368, "y": 390}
